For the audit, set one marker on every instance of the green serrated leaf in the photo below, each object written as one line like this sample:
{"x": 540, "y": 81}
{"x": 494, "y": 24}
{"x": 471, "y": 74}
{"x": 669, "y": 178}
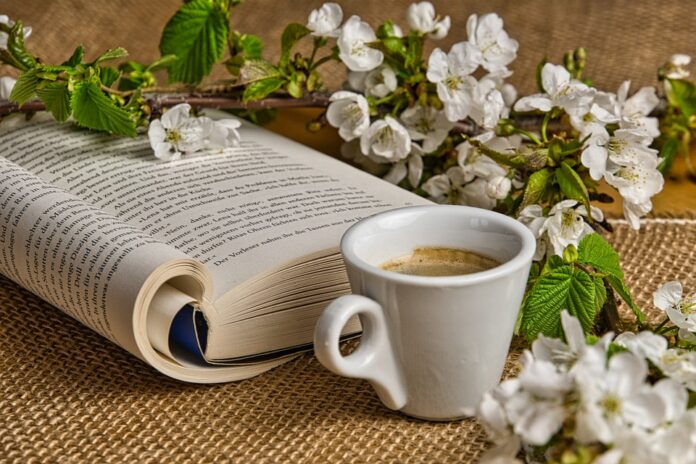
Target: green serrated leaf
{"x": 163, "y": 62}
{"x": 262, "y": 88}
{"x": 565, "y": 287}
{"x": 552, "y": 262}
{"x": 94, "y": 110}
{"x": 536, "y": 186}
{"x": 110, "y": 54}
{"x": 76, "y": 58}
{"x": 25, "y": 87}
{"x": 572, "y": 185}
{"x": 56, "y": 97}
{"x": 683, "y": 94}
{"x": 251, "y": 46}
{"x": 15, "y": 46}
{"x": 108, "y": 75}
{"x": 594, "y": 251}
{"x": 600, "y": 293}
{"x": 197, "y": 35}
{"x": 291, "y": 35}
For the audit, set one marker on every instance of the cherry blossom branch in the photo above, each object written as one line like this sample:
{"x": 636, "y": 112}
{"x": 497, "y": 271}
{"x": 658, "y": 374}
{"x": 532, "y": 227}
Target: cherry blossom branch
{"x": 227, "y": 101}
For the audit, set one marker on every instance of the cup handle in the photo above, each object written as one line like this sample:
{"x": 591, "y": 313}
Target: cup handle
{"x": 374, "y": 360}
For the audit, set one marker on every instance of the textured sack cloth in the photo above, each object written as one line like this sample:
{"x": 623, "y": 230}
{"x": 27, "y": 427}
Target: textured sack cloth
{"x": 625, "y": 39}
{"x": 68, "y": 395}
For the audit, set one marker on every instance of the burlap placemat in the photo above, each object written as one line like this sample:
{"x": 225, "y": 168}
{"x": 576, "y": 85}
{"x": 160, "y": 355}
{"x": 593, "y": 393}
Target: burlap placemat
{"x": 67, "y": 395}
{"x": 626, "y": 39}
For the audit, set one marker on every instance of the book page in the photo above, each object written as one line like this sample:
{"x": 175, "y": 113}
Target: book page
{"x": 80, "y": 259}
{"x": 240, "y": 211}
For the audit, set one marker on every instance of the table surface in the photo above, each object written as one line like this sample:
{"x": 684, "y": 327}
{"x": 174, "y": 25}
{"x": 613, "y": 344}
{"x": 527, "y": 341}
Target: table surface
{"x": 677, "y": 198}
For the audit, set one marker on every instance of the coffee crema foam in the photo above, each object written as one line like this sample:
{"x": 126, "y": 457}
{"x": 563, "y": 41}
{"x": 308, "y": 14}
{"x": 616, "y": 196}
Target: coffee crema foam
{"x": 440, "y": 261}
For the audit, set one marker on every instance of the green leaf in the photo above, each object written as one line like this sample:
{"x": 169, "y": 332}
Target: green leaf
{"x": 163, "y": 62}
{"x": 94, "y": 110}
{"x": 76, "y": 58}
{"x": 251, "y": 46}
{"x": 622, "y": 290}
{"x": 197, "y": 35}
{"x": 291, "y": 35}
{"x": 600, "y": 294}
{"x": 25, "y": 87}
{"x": 668, "y": 154}
{"x": 594, "y": 251}
{"x": 572, "y": 185}
{"x": 108, "y": 75}
{"x": 256, "y": 70}
{"x": 683, "y": 94}
{"x": 565, "y": 287}
{"x": 56, "y": 97}
{"x": 536, "y": 186}
{"x": 262, "y": 88}
{"x": 15, "y": 45}
{"x": 111, "y": 54}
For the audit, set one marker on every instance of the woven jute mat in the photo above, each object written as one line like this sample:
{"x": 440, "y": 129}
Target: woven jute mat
{"x": 625, "y": 39}
{"x": 67, "y": 395}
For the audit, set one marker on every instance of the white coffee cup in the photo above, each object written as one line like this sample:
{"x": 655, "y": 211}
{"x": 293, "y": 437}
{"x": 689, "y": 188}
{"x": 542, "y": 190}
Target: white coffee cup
{"x": 431, "y": 346}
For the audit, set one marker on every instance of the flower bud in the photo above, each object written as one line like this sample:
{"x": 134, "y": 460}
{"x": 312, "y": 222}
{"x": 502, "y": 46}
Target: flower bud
{"x": 570, "y": 254}
{"x": 314, "y": 126}
{"x": 505, "y": 128}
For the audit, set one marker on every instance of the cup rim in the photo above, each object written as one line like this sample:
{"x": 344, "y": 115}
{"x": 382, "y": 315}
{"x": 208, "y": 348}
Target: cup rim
{"x": 521, "y": 259}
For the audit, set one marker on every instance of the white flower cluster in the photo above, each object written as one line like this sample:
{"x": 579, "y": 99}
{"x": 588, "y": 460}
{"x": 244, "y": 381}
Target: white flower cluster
{"x": 178, "y": 132}
{"x": 624, "y": 157}
{"x": 476, "y": 180}
{"x": 605, "y": 402}
{"x": 564, "y": 225}
{"x": 489, "y": 47}
{"x": 419, "y": 130}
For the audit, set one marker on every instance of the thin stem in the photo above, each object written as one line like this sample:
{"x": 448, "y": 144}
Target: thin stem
{"x": 686, "y": 148}
{"x": 321, "y": 61}
{"x": 314, "y": 52}
{"x": 529, "y": 135}
{"x": 544, "y": 125}
{"x": 662, "y": 324}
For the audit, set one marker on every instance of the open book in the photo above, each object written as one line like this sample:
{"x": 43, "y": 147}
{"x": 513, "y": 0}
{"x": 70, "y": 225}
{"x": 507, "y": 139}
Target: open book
{"x": 237, "y": 247}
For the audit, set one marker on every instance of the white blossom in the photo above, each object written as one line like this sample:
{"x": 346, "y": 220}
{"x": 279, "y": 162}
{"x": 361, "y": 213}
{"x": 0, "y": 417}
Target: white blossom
{"x": 498, "y": 187}
{"x": 177, "y": 132}
{"x": 675, "y": 363}
{"x": 475, "y": 164}
{"x": 350, "y": 113}
{"x": 533, "y": 217}
{"x": 386, "y": 138}
{"x": 326, "y": 21}
{"x": 636, "y": 183}
{"x": 223, "y": 133}
{"x": 676, "y": 67}
{"x": 615, "y": 395}
{"x": 4, "y": 36}
{"x": 411, "y": 167}
{"x": 353, "y": 46}
{"x": 574, "y": 97}
{"x": 488, "y": 104}
{"x": 421, "y": 17}
{"x": 680, "y": 309}
{"x": 593, "y": 123}
{"x": 351, "y": 152}
{"x": 426, "y": 125}
{"x": 495, "y": 48}
{"x": 452, "y": 74}
{"x": 453, "y": 187}
{"x": 6, "y": 85}
{"x": 566, "y": 225}
{"x": 625, "y": 147}
{"x": 633, "y": 111}
{"x": 380, "y": 82}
